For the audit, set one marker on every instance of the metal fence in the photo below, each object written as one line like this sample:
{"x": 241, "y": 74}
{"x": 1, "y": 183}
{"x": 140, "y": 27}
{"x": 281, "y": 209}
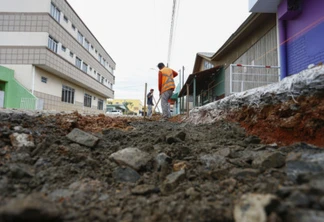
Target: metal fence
{"x": 245, "y": 77}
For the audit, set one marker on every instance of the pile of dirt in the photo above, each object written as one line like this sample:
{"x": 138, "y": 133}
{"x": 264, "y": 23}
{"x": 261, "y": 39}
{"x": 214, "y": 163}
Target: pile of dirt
{"x": 72, "y": 167}
{"x": 299, "y": 120}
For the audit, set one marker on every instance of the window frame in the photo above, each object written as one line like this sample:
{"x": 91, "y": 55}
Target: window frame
{"x": 55, "y": 12}
{"x": 80, "y": 38}
{"x": 68, "y": 94}
{"x": 87, "y": 100}
{"x": 86, "y": 44}
{"x": 78, "y": 62}
{"x": 52, "y": 44}
{"x": 84, "y": 67}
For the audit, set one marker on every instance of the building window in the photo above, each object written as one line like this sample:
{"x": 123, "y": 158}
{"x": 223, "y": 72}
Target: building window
{"x": 78, "y": 62}
{"x": 99, "y": 58}
{"x": 55, "y": 12}
{"x": 67, "y": 94}
{"x": 52, "y": 44}
{"x": 85, "y": 67}
{"x": 44, "y": 79}
{"x": 63, "y": 48}
{"x": 73, "y": 27}
{"x": 98, "y": 77}
{"x": 71, "y": 54}
{"x": 65, "y": 19}
{"x": 90, "y": 68}
{"x": 80, "y": 38}
{"x": 100, "y": 104}
{"x": 87, "y": 100}
{"x": 102, "y": 79}
{"x": 87, "y": 45}
{"x": 92, "y": 47}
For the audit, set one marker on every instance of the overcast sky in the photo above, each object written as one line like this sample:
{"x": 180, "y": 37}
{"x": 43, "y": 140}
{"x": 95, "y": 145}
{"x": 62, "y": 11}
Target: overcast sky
{"x": 136, "y": 33}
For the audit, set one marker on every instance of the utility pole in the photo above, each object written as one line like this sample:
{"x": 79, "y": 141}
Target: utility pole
{"x": 171, "y": 31}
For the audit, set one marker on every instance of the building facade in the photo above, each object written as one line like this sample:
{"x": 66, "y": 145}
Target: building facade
{"x": 132, "y": 106}
{"x": 300, "y": 29}
{"x": 243, "y": 62}
{"x": 55, "y": 56}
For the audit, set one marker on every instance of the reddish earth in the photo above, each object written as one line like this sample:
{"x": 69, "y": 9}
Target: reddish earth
{"x": 298, "y": 120}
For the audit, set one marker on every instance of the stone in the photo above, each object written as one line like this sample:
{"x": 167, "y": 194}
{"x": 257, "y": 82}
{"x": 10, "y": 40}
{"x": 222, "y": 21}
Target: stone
{"x": 83, "y": 138}
{"x": 269, "y": 160}
{"x": 225, "y": 152}
{"x": 22, "y": 140}
{"x": 21, "y": 171}
{"x": 181, "y": 135}
{"x": 144, "y": 189}
{"x": 252, "y": 207}
{"x": 213, "y": 161}
{"x": 304, "y": 215}
{"x": 162, "y": 160}
{"x": 299, "y": 199}
{"x": 172, "y": 180}
{"x": 305, "y": 162}
{"x": 35, "y": 207}
{"x": 131, "y": 157}
{"x": 244, "y": 173}
{"x": 182, "y": 165}
{"x": 126, "y": 175}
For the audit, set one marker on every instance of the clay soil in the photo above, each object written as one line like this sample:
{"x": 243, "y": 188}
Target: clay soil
{"x": 298, "y": 120}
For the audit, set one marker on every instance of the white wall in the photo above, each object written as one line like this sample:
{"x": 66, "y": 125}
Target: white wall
{"x": 25, "y": 5}
{"x": 24, "y": 38}
{"x": 54, "y": 86}
{"x": 23, "y": 74}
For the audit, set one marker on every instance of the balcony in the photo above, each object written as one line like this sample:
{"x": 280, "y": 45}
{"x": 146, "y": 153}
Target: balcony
{"x": 264, "y": 6}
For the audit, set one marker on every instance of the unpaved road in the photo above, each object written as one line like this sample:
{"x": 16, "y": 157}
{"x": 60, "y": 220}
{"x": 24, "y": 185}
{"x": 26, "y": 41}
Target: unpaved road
{"x": 128, "y": 169}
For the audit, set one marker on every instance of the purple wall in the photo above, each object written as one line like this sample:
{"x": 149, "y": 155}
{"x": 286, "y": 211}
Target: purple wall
{"x": 302, "y": 36}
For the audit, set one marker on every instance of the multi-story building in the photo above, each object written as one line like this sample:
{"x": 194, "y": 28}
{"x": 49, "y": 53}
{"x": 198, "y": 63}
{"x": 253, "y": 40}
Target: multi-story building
{"x": 54, "y": 56}
{"x": 133, "y": 106}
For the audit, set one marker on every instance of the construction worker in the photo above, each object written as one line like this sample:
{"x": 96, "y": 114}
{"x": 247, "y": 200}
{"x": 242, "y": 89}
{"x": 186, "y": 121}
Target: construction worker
{"x": 150, "y": 103}
{"x": 166, "y": 87}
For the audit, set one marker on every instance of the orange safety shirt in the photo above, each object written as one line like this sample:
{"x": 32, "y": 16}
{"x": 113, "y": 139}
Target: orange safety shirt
{"x": 166, "y": 81}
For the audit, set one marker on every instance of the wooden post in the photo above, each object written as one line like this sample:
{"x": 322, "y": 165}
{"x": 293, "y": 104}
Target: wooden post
{"x": 187, "y": 100}
{"x": 144, "y": 115}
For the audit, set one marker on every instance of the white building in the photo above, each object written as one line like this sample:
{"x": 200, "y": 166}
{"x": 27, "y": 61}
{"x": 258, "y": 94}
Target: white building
{"x": 55, "y": 56}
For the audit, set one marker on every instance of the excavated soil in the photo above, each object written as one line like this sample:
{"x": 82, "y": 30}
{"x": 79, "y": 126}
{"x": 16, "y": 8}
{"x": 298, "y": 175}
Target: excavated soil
{"x": 299, "y": 120}
{"x": 189, "y": 173}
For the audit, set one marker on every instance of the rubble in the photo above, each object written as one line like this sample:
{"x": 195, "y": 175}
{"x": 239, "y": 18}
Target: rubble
{"x": 249, "y": 163}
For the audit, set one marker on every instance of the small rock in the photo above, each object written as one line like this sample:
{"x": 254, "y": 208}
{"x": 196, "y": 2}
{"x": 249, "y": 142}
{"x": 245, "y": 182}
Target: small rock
{"x": 269, "y": 160}
{"x": 83, "y": 138}
{"x": 252, "y": 207}
{"x": 192, "y": 194}
{"x": 22, "y": 140}
{"x": 144, "y": 189}
{"x": 162, "y": 159}
{"x": 126, "y": 175}
{"x": 244, "y": 173}
{"x": 172, "y": 181}
{"x": 182, "y": 165}
{"x": 131, "y": 157}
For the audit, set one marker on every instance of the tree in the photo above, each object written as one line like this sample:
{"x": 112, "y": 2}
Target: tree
{"x": 128, "y": 105}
